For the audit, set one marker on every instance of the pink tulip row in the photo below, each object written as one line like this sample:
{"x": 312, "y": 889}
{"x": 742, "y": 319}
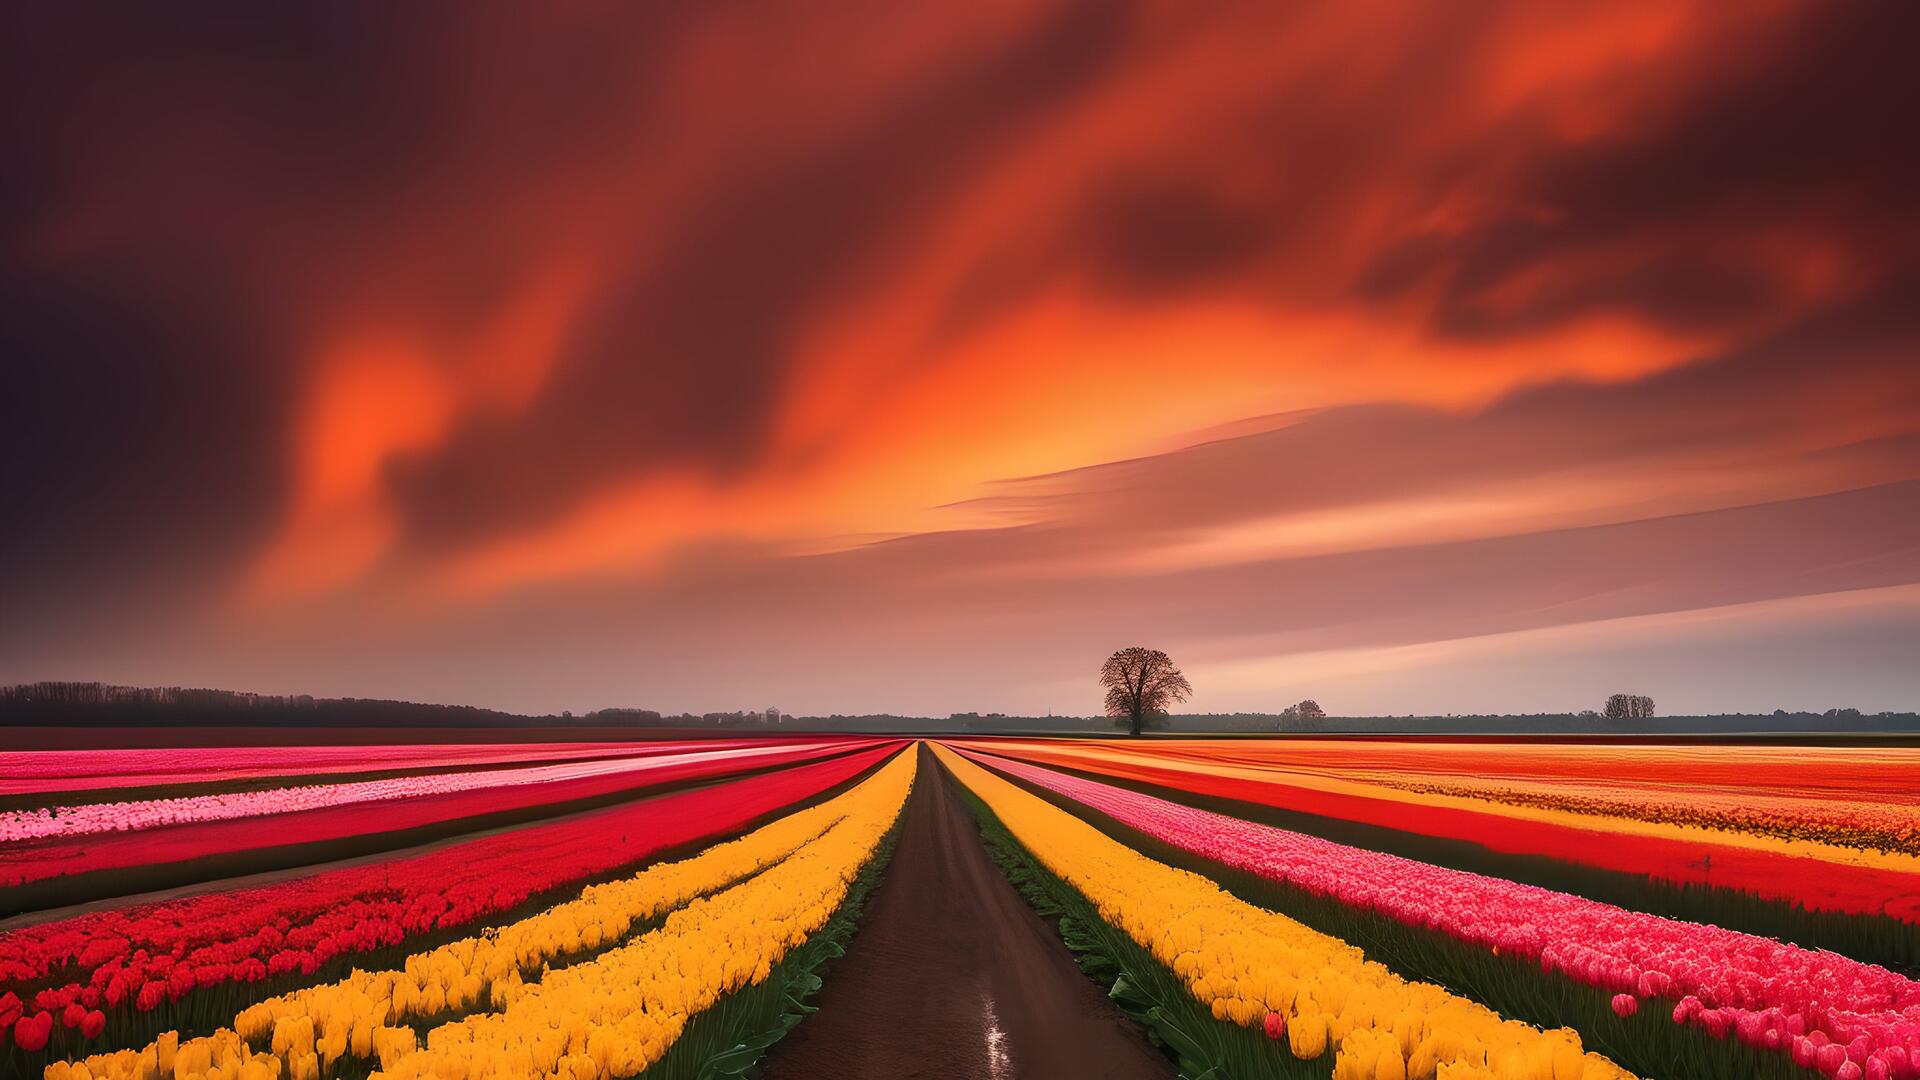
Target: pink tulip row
{"x": 42, "y": 771}
{"x": 88, "y": 819}
{"x": 1847, "y": 1019}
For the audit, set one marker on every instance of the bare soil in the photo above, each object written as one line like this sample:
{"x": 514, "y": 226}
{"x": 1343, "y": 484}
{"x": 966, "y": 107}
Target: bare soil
{"x": 953, "y": 975}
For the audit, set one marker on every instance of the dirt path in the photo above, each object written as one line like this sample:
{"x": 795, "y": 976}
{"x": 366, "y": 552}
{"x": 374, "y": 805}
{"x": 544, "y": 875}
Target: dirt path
{"x": 952, "y": 975}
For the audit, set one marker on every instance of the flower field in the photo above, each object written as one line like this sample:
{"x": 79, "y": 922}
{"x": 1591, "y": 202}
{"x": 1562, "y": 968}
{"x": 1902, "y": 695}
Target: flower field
{"x": 61, "y": 822}
{"x": 1798, "y": 860}
{"x": 134, "y": 966}
{"x": 1257, "y": 907}
{"x": 614, "y": 1013}
{"x": 90, "y": 772}
{"x": 1770, "y": 995}
{"x": 223, "y": 828}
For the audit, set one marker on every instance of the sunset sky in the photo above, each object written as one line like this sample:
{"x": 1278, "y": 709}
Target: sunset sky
{"x": 897, "y": 357}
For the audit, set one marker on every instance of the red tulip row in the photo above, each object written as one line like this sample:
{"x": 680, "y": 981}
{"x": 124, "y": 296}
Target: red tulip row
{"x": 137, "y": 958}
{"x": 1842, "y": 1016}
{"x": 1872, "y": 884}
{"x": 194, "y": 807}
{"x": 50, "y": 771}
{"x": 38, "y": 860}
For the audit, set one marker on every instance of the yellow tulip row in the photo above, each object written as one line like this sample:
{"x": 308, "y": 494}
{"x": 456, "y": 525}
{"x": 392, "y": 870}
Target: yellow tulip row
{"x": 618, "y": 1013}
{"x": 298, "y": 1036}
{"x": 1245, "y": 962}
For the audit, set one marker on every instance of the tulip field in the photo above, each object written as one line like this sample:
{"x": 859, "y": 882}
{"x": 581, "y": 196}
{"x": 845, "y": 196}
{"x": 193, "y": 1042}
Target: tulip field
{"x": 1360, "y": 909}
{"x": 1669, "y": 911}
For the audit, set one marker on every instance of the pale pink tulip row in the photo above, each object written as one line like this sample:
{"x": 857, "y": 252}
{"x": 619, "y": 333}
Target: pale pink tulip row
{"x": 89, "y": 819}
{"x": 32, "y": 772}
{"x": 1848, "y": 1019}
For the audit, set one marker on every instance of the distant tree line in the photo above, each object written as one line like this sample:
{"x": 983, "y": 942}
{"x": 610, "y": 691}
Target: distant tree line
{"x": 93, "y": 693}
{"x": 52, "y": 704}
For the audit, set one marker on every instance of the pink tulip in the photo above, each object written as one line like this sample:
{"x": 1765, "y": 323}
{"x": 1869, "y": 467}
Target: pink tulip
{"x": 1625, "y": 1005}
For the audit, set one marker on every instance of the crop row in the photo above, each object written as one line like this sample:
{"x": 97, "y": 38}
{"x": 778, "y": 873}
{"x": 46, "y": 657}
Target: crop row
{"x": 500, "y": 1005}
{"x": 1817, "y": 1006}
{"x": 1816, "y": 875}
{"x": 1878, "y": 826}
{"x": 55, "y": 771}
{"x": 154, "y": 956}
{"x": 1851, "y": 773}
{"x": 119, "y": 851}
{"x": 1259, "y": 969}
{"x": 60, "y": 822}
{"x": 618, "y": 1013}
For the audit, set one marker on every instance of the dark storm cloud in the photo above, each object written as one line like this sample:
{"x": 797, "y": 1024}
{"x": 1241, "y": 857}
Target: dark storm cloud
{"x": 1795, "y": 136}
{"x": 192, "y": 200}
{"x": 181, "y": 198}
{"x": 684, "y": 361}
{"x": 130, "y": 436}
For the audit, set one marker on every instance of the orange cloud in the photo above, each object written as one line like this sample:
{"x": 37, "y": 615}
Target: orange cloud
{"x": 377, "y": 399}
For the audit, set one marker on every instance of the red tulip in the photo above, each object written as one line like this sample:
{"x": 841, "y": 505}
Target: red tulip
{"x": 1625, "y": 1005}
{"x": 1276, "y": 1025}
{"x": 32, "y": 1032}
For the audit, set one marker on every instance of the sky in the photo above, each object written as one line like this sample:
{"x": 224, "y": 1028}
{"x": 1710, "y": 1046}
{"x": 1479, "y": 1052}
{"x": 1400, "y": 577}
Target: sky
{"x": 893, "y": 357}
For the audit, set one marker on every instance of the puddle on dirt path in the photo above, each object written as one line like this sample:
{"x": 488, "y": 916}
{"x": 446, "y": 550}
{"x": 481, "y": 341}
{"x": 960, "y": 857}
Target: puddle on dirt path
{"x": 999, "y": 1061}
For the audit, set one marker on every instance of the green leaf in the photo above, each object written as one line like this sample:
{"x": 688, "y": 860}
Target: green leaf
{"x": 1192, "y": 1055}
{"x": 1129, "y": 994}
{"x": 734, "y": 1062}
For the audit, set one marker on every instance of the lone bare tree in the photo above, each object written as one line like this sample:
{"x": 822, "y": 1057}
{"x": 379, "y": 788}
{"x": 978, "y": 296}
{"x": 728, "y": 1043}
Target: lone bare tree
{"x": 1141, "y": 681}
